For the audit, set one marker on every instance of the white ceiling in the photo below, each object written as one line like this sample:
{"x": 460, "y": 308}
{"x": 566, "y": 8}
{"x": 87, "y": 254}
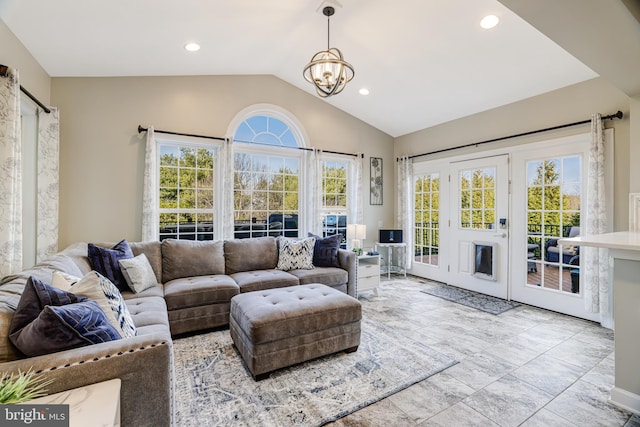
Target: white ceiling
{"x": 425, "y": 62}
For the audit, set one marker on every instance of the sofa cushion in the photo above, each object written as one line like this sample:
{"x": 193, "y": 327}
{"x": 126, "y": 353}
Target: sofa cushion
{"x": 259, "y": 280}
{"x": 188, "y": 258}
{"x": 330, "y": 276}
{"x": 295, "y": 253}
{"x": 49, "y": 320}
{"x": 105, "y": 261}
{"x": 138, "y": 273}
{"x": 149, "y": 314}
{"x": 325, "y": 251}
{"x": 260, "y": 253}
{"x": 153, "y": 252}
{"x": 199, "y": 290}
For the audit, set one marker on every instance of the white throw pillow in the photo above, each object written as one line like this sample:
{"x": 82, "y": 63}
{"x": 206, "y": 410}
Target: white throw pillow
{"x": 138, "y": 273}
{"x": 100, "y": 289}
{"x": 295, "y": 254}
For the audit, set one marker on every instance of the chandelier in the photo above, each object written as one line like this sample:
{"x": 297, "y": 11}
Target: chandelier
{"x": 328, "y": 70}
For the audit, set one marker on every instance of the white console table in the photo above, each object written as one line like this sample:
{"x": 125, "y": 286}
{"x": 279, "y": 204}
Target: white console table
{"x": 389, "y": 267}
{"x": 624, "y": 248}
{"x": 95, "y": 405}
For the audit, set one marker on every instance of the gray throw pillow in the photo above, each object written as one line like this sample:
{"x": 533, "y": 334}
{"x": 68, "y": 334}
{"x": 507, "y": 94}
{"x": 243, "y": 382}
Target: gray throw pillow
{"x": 138, "y": 273}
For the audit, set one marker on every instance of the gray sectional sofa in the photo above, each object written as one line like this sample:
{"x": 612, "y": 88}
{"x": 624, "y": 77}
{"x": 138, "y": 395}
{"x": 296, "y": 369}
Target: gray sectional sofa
{"x": 196, "y": 281}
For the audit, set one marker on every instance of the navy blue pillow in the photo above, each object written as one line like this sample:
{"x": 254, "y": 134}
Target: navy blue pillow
{"x": 325, "y": 251}
{"x": 105, "y": 262}
{"x": 48, "y": 320}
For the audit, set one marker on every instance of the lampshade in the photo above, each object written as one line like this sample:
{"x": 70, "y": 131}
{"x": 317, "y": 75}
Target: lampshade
{"x": 328, "y": 70}
{"x": 356, "y": 232}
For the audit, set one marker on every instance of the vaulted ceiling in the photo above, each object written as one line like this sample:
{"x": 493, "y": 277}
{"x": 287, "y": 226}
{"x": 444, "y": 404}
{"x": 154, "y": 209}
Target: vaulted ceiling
{"x": 424, "y": 62}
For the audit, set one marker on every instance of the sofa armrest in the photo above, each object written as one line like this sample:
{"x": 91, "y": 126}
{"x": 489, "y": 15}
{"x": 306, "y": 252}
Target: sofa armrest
{"x": 349, "y": 261}
{"x": 143, "y": 363}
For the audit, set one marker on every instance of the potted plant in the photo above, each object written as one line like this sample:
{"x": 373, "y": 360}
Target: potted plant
{"x": 20, "y": 387}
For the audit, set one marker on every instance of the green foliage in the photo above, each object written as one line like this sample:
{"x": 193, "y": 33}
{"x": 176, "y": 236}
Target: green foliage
{"x": 186, "y": 179}
{"x": 20, "y": 387}
{"x": 549, "y": 208}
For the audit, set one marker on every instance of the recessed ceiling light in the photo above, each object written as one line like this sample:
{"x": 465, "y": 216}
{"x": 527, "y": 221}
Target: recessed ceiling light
{"x": 489, "y": 21}
{"x": 192, "y": 47}
{"x": 364, "y": 91}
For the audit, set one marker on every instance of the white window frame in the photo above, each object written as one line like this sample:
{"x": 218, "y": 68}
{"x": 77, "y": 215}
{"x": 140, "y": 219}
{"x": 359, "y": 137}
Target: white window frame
{"x": 193, "y": 142}
{"x": 326, "y": 211}
{"x": 257, "y": 149}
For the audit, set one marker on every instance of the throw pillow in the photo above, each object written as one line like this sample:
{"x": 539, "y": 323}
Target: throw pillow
{"x": 97, "y": 287}
{"x": 105, "y": 261}
{"x": 49, "y": 320}
{"x": 325, "y": 251}
{"x": 295, "y": 254}
{"x": 138, "y": 273}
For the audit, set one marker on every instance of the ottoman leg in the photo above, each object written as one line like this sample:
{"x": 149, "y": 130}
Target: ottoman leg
{"x": 351, "y": 349}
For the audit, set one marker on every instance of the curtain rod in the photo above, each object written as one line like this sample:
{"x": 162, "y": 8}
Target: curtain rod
{"x": 3, "y": 72}
{"x": 617, "y": 115}
{"x": 218, "y": 138}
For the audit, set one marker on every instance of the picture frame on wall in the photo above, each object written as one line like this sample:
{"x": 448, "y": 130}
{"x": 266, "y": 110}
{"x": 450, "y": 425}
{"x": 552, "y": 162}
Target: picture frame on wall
{"x": 375, "y": 195}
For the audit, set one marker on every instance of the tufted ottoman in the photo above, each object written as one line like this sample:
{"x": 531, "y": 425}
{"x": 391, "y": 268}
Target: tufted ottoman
{"x": 280, "y": 327}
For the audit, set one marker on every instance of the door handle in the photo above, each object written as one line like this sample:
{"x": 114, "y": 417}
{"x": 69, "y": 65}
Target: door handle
{"x": 500, "y": 235}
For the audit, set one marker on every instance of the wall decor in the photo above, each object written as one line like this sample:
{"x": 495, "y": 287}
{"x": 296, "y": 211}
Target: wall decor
{"x": 375, "y": 197}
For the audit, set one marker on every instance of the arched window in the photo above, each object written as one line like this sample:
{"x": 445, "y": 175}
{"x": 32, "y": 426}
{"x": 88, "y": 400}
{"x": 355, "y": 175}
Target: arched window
{"x": 265, "y": 130}
{"x": 267, "y": 179}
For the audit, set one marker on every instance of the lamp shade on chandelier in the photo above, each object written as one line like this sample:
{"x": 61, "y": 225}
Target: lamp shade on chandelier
{"x": 328, "y": 70}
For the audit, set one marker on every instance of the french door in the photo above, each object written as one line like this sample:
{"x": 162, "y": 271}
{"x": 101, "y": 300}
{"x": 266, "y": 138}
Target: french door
{"x": 478, "y": 230}
{"x": 479, "y": 225}
{"x": 551, "y": 183}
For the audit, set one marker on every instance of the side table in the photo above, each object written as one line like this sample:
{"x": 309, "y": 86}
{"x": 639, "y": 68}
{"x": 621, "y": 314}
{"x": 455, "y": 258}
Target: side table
{"x": 368, "y": 276}
{"x": 389, "y": 267}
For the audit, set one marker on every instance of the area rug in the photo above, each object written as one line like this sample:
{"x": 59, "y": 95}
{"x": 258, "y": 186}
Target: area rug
{"x": 472, "y": 299}
{"x": 213, "y": 387}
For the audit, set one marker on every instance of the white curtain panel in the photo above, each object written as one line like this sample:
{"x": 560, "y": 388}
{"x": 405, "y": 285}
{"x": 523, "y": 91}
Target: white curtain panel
{"x": 405, "y": 205}
{"x": 10, "y": 175}
{"x": 595, "y": 261}
{"x": 226, "y": 213}
{"x": 48, "y": 183}
{"x": 357, "y": 205}
{"x": 150, "y": 217}
{"x": 312, "y": 199}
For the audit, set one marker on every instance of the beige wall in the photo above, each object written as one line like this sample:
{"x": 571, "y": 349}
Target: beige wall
{"x": 571, "y": 104}
{"x": 15, "y": 55}
{"x": 102, "y": 155}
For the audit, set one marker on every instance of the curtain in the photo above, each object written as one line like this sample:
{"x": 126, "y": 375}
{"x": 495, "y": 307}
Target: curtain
{"x": 595, "y": 261}
{"x": 10, "y": 175}
{"x": 226, "y": 213}
{"x": 48, "y": 159}
{"x": 150, "y": 217}
{"x": 313, "y": 192}
{"x": 356, "y": 211}
{"x": 405, "y": 205}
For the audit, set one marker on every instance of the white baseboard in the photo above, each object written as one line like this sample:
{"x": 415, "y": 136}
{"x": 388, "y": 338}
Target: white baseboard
{"x": 625, "y": 400}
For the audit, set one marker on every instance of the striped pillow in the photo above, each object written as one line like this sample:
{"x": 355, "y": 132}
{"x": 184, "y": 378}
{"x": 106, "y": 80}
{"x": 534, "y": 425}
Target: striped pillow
{"x": 106, "y": 261}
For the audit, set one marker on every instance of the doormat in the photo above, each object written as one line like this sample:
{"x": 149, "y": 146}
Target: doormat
{"x": 472, "y": 299}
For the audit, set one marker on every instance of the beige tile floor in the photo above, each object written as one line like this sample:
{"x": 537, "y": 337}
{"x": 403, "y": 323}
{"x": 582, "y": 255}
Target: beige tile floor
{"x": 527, "y": 366}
